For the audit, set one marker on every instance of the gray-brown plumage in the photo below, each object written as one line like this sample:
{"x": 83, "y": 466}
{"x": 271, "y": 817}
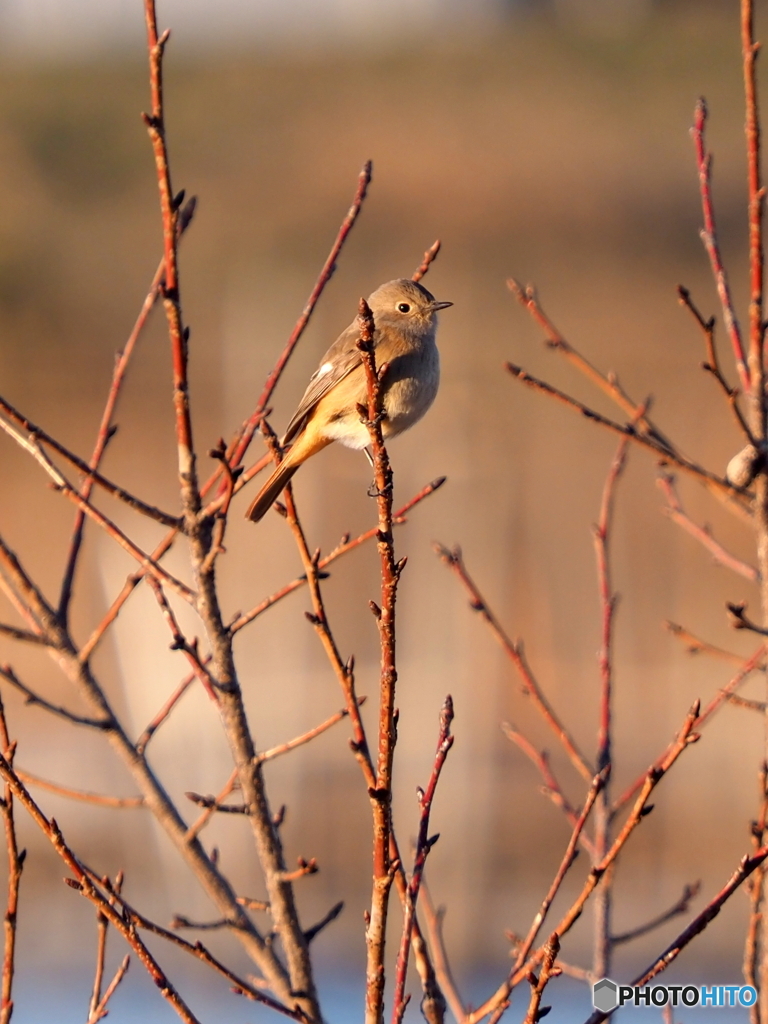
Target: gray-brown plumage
{"x": 405, "y": 321}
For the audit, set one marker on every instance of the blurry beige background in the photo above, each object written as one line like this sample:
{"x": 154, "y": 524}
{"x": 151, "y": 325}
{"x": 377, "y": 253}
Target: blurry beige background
{"x": 546, "y": 141}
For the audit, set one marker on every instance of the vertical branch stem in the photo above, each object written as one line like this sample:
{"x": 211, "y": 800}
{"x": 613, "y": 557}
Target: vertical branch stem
{"x": 383, "y": 869}
{"x": 171, "y": 298}
{"x": 15, "y": 866}
{"x": 424, "y": 844}
{"x": 601, "y": 963}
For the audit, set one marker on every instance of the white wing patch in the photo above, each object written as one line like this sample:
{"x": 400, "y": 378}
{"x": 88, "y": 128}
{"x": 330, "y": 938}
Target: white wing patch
{"x": 325, "y": 368}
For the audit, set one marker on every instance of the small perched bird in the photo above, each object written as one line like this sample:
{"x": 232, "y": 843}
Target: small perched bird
{"x": 405, "y": 321}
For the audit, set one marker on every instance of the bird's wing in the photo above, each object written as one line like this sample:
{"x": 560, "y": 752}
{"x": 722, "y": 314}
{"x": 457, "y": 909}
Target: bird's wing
{"x": 340, "y": 360}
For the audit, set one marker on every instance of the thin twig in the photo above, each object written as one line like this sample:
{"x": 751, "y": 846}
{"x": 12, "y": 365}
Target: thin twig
{"x": 690, "y": 892}
{"x": 703, "y": 534}
{"x": 749, "y": 666}
{"x": 607, "y": 383}
{"x": 548, "y": 970}
{"x": 685, "y": 737}
{"x": 43, "y": 437}
{"x": 424, "y": 844}
{"x": 346, "y": 545}
{"x": 712, "y": 909}
{"x": 601, "y": 962}
{"x": 299, "y": 741}
{"x": 712, "y": 364}
{"x": 79, "y": 794}
{"x": 85, "y": 886}
{"x": 383, "y": 874}
{"x": 98, "y": 1004}
{"x": 106, "y": 427}
{"x": 709, "y": 238}
{"x": 100, "y": 1010}
{"x": 7, "y": 673}
{"x": 551, "y": 788}
{"x": 569, "y": 857}
{"x": 62, "y": 484}
{"x": 434, "y": 924}
{"x": 196, "y": 827}
{"x": 514, "y": 651}
{"x": 16, "y": 860}
{"x": 695, "y": 645}
{"x": 720, "y": 487}
{"x": 324, "y": 277}
{"x": 429, "y": 258}
{"x": 756, "y": 895}
{"x": 167, "y": 708}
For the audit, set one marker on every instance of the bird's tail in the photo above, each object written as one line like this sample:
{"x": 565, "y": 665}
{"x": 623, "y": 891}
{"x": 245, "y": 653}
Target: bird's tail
{"x": 269, "y": 493}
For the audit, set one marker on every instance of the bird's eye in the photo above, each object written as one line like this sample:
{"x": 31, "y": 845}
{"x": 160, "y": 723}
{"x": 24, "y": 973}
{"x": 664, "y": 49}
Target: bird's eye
{"x": 403, "y": 307}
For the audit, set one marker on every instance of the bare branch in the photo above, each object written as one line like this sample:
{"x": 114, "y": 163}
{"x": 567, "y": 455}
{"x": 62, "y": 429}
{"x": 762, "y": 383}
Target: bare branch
{"x": 429, "y": 258}
{"x": 720, "y": 487}
{"x": 514, "y": 651}
{"x": 703, "y": 534}
{"x": 690, "y": 892}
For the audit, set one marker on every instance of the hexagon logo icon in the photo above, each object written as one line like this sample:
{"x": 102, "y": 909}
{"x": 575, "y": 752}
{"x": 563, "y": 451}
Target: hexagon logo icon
{"x": 604, "y": 995}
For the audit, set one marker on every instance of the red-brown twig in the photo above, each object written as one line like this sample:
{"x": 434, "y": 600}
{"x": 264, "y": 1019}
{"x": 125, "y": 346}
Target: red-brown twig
{"x": 756, "y": 895}
{"x": 568, "y": 858}
{"x": 749, "y": 666}
{"x": 136, "y": 920}
{"x": 433, "y": 1001}
{"x": 514, "y": 651}
{"x": 548, "y": 970}
{"x": 7, "y": 673}
{"x": 180, "y": 643}
{"x": 383, "y": 872}
{"x": 601, "y": 962}
{"x": 346, "y": 545}
{"x": 695, "y": 645}
{"x": 299, "y": 741}
{"x": 699, "y": 923}
{"x": 703, "y": 534}
{"x": 324, "y": 277}
{"x": 607, "y": 383}
{"x": 685, "y": 737}
{"x": 712, "y": 364}
{"x": 62, "y": 484}
{"x": 106, "y": 427}
{"x": 551, "y": 788}
{"x": 98, "y": 1004}
{"x": 679, "y": 907}
{"x": 40, "y": 435}
{"x": 424, "y": 844}
{"x": 717, "y": 485}
{"x": 709, "y": 238}
{"x": 429, "y": 258}
{"x": 167, "y": 708}
{"x": 756, "y": 198}
{"x": 16, "y": 859}
{"x": 197, "y": 826}
{"x": 100, "y": 1010}
{"x": 155, "y": 122}
{"x": 81, "y": 795}
{"x": 434, "y": 925}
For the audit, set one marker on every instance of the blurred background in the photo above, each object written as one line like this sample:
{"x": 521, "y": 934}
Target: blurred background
{"x": 544, "y": 140}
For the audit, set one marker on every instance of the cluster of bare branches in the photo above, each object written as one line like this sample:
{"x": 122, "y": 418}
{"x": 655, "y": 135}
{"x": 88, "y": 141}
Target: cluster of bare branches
{"x": 744, "y": 491}
{"x": 279, "y": 950}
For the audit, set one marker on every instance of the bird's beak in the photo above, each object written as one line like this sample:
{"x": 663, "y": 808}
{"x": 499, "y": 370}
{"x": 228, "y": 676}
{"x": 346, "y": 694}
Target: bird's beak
{"x": 440, "y": 305}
